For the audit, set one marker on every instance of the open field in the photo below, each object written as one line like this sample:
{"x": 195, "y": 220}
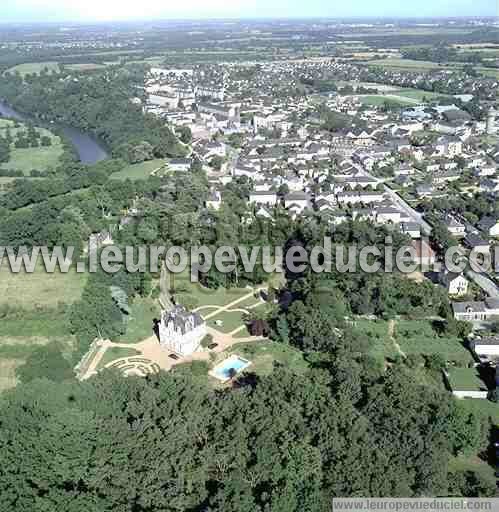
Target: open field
{"x": 423, "y": 65}
{"x": 139, "y": 171}
{"x": 39, "y": 289}
{"x": 417, "y": 94}
{"x": 34, "y": 67}
{"x": 27, "y": 159}
{"x": 413, "y": 337}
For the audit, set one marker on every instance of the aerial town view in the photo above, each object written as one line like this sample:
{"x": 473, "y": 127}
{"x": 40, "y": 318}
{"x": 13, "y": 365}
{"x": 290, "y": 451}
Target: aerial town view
{"x": 249, "y": 256}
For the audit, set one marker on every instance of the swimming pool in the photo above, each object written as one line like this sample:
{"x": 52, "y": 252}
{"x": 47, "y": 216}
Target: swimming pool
{"x": 229, "y": 368}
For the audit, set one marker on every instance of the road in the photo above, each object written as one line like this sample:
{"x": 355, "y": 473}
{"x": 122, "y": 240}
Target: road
{"x": 409, "y": 211}
{"x": 401, "y": 203}
{"x": 485, "y": 283}
{"x": 481, "y": 280}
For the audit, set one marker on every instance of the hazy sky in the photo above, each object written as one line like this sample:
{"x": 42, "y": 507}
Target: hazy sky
{"x": 65, "y": 10}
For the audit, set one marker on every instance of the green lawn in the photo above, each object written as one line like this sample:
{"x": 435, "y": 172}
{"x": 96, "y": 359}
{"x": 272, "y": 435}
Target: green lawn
{"x": 115, "y": 353}
{"x": 265, "y": 354}
{"x": 40, "y": 289}
{"x": 139, "y": 171}
{"x": 139, "y": 327}
{"x": 231, "y": 321}
{"x": 207, "y": 296}
{"x": 417, "y": 94}
{"x": 423, "y": 65}
{"x": 465, "y": 379}
{"x": 34, "y": 67}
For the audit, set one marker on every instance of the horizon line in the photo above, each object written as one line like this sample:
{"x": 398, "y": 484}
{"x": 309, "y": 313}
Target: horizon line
{"x": 247, "y": 18}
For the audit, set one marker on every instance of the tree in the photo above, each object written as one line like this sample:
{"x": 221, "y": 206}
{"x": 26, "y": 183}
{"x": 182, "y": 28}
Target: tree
{"x": 185, "y": 134}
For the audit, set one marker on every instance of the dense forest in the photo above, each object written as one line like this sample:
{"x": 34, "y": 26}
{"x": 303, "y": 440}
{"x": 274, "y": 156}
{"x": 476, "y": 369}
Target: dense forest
{"x": 99, "y": 104}
{"x": 285, "y": 442}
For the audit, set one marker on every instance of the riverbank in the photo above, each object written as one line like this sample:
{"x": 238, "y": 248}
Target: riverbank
{"x": 87, "y": 149}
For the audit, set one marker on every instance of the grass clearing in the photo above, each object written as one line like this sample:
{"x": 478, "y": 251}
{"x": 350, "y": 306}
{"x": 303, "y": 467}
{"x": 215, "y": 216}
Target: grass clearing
{"x": 35, "y": 67}
{"x": 139, "y": 171}
{"x": 28, "y": 159}
{"x": 418, "y": 337}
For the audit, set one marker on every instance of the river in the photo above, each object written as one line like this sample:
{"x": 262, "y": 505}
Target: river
{"x": 88, "y": 149}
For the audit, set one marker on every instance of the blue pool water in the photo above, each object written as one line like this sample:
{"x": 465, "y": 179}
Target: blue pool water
{"x": 223, "y": 371}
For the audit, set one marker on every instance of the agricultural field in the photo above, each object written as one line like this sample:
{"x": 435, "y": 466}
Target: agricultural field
{"x": 139, "y": 171}
{"x": 35, "y": 67}
{"x": 28, "y": 159}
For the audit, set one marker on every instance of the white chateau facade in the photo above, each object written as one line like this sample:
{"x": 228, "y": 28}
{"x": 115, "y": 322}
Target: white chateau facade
{"x": 181, "y": 331}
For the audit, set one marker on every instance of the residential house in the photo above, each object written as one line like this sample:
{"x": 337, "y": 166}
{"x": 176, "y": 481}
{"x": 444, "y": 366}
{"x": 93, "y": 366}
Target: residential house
{"x": 425, "y": 256}
{"x": 268, "y": 198}
{"x": 455, "y": 284}
{"x": 179, "y": 164}
{"x": 489, "y": 226}
{"x": 476, "y": 243}
{"x": 487, "y": 348}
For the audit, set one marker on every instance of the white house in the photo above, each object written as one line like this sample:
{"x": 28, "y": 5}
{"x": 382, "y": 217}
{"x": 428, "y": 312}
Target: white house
{"x": 486, "y": 349}
{"x": 454, "y": 227}
{"x": 297, "y": 201}
{"x": 456, "y": 284}
{"x": 263, "y": 198}
{"x": 181, "y": 331}
{"x": 179, "y": 164}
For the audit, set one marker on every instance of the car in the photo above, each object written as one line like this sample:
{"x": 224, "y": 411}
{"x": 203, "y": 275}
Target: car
{"x": 174, "y": 357}
{"x": 213, "y": 346}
